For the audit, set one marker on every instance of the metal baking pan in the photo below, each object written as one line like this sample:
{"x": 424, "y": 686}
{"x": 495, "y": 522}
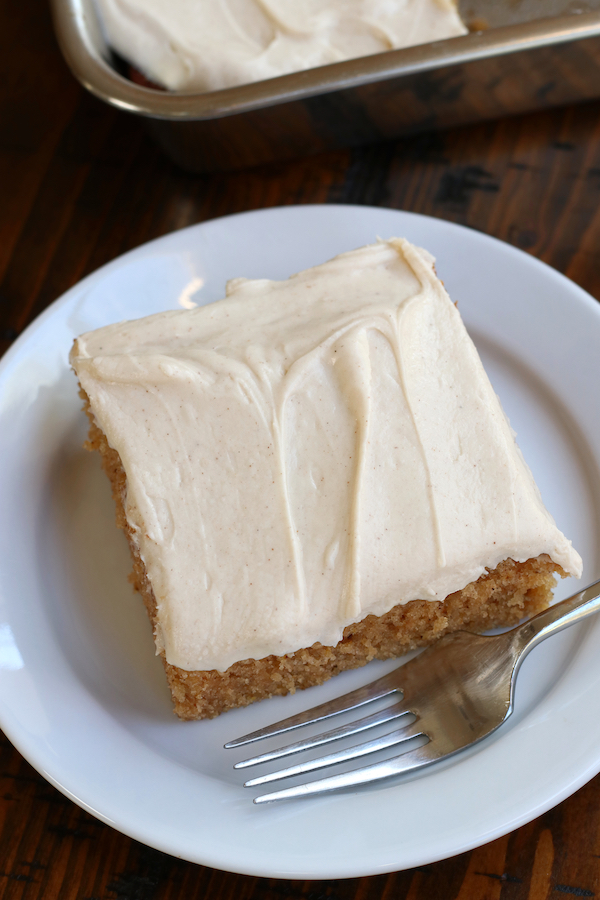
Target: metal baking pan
{"x": 516, "y": 62}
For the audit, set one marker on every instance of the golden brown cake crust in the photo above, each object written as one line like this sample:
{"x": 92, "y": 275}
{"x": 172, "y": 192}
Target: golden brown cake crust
{"x": 501, "y": 597}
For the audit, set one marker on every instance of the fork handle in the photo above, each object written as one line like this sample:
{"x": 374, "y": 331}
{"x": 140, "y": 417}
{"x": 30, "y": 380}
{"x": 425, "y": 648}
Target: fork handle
{"x": 554, "y": 619}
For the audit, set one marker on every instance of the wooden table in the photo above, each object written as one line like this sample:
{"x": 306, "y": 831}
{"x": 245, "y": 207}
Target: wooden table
{"x": 81, "y": 183}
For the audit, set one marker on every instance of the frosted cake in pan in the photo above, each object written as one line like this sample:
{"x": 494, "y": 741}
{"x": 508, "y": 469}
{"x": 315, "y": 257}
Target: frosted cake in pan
{"x": 206, "y": 45}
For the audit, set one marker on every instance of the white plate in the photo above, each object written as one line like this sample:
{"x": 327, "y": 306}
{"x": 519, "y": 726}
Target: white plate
{"x": 81, "y": 694}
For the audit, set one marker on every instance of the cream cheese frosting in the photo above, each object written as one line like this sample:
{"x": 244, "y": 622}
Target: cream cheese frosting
{"x": 205, "y": 45}
{"x": 302, "y": 454}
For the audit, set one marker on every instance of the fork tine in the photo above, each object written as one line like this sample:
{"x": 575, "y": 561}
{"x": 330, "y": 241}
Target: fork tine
{"x": 414, "y": 759}
{"x": 389, "y": 714}
{"x": 374, "y": 691}
{"x": 394, "y": 739}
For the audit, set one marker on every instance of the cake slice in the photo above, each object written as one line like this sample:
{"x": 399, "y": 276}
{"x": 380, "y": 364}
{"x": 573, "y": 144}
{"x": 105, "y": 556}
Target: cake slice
{"x": 312, "y": 474}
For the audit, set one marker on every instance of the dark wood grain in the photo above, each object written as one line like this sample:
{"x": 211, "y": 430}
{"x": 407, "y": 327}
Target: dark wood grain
{"x": 81, "y": 183}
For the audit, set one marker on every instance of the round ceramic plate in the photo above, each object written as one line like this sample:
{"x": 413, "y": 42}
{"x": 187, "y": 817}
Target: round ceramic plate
{"x": 82, "y": 695}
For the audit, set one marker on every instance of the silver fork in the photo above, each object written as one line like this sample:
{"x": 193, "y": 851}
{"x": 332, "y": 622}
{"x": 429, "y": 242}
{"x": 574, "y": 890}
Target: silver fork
{"x": 454, "y": 693}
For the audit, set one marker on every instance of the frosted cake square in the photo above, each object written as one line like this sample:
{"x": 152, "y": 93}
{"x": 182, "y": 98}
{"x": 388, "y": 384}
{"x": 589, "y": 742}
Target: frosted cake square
{"x": 312, "y": 474}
